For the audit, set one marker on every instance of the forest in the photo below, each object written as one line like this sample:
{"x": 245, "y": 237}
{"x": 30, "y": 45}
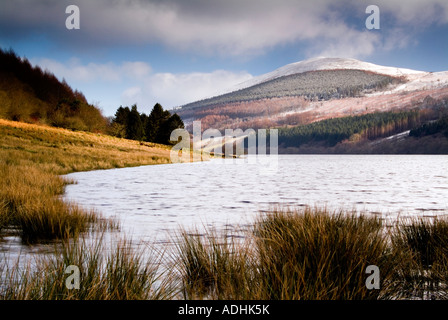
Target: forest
{"x": 329, "y": 132}
{"x": 433, "y": 127}
{"x": 156, "y": 127}
{"x": 32, "y": 95}
{"x": 313, "y": 85}
{"x": 29, "y": 94}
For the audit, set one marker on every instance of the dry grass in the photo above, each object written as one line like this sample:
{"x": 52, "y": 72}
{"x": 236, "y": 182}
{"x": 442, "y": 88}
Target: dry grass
{"x": 118, "y": 273}
{"x": 423, "y": 244}
{"x": 315, "y": 254}
{"x": 214, "y": 266}
{"x": 33, "y": 157}
{"x": 309, "y": 254}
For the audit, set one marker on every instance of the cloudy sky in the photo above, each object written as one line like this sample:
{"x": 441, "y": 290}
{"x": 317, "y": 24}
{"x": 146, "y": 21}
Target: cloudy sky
{"x": 178, "y": 51}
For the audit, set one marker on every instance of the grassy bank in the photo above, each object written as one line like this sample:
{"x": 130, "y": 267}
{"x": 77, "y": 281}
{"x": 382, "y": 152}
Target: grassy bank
{"x": 33, "y": 157}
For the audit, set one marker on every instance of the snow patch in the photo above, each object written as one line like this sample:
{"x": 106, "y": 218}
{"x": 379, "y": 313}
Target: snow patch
{"x": 425, "y": 81}
{"x": 322, "y": 63}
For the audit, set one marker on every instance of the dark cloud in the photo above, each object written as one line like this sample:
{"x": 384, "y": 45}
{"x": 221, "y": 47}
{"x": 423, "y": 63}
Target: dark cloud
{"x": 226, "y": 27}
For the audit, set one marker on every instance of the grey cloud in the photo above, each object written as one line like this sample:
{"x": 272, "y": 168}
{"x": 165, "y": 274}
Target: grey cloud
{"x": 226, "y": 27}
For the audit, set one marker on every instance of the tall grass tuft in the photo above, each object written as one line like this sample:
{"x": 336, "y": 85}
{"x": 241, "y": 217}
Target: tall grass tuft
{"x": 424, "y": 241}
{"x": 214, "y": 266}
{"x": 302, "y": 254}
{"x": 55, "y": 220}
{"x": 317, "y": 254}
{"x": 117, "y": 273}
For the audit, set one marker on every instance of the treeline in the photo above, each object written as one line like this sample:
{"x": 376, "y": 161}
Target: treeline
{"x": 156, "y": 127}
{"x": 30, "y": 94}
{"x": 434, "y": 127}
{"x": 371, "y": 126}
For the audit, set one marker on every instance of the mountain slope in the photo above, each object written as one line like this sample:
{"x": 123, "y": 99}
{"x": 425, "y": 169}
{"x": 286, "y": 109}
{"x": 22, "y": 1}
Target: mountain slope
{"x": 317, "y": 84}
{"x": 314, "y": 90}
{"x": 322, "y": 63}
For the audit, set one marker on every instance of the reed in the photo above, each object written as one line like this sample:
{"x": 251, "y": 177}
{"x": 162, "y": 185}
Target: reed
{"x": 318, "y": 254}
{"x": 214, "y": 266}
{"x": 423, "y": 241}
{"x": 300, "y": 254}
{"x": 307, "y": 254}
{"x": 118, "y": 272}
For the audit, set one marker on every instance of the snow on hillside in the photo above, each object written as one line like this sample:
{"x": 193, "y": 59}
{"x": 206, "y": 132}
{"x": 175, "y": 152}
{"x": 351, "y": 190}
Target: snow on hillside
{"x": 421, "y": 81}
{"x": 322, "y": 63}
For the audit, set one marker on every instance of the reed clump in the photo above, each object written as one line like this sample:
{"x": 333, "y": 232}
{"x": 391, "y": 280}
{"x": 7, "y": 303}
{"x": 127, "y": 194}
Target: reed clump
{"x": 316, "y": 254}
{"x": 214, "y": 266}
{"x": 117, "y": 272}
{"x": 310, "y": 254}
{"x": 424, "y": 241}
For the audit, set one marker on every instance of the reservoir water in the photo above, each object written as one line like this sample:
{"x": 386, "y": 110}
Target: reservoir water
{"x": 153, "y": 202}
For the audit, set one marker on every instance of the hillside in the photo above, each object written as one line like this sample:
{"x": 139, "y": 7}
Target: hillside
{"x": 313, "y": 85}
{"x": 33, "y": 95}
{"x": 422, "y": 130}
{"x": 32, "y": 158}
{"x": 323, "y": 63}
{"x": 305, "y": 99}
{"x": 315, "y": 90}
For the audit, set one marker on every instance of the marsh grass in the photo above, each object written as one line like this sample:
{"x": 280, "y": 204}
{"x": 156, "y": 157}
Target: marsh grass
{"x": 214, "y": 266}
{"x": 32, "y": 160}
{"x": 310, "y": 254}
{"x": 424, "y": 242}
{"x": 118, "y": 272}
{"x": 316, "y": 254}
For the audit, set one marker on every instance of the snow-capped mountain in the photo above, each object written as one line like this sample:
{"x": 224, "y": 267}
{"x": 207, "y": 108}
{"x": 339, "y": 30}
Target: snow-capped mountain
{"x": 314, "y": 90}
{"x": 323, "y": 63}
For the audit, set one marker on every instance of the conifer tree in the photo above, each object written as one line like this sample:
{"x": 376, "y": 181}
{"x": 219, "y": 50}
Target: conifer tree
{"x": 172, "y": 123}
{"x": 134, "y": 126}
{"x": 154, "y": 120}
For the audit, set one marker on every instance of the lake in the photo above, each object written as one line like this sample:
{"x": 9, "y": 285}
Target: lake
{"x": 153, "y": 202}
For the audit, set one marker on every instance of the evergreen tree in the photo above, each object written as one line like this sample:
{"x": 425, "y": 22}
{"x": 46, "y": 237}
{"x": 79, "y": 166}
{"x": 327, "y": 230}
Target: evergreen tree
{"x": 157, "y": 127}
{"x": 134, "y": 126}
{"x": 121, "y": 115}
{"x": 154, "y": 120}
{"x": 168, "y": 126}
{"x": 119, "y": 122}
